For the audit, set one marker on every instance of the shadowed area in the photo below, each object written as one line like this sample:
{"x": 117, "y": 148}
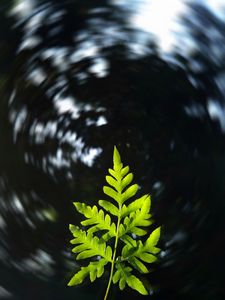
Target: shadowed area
{"x": 77, "y": 78}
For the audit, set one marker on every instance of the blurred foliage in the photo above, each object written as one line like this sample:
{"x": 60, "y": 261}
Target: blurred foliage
{"x": 157, "y": 110}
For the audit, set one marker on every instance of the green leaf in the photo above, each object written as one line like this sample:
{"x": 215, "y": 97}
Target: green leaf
{"x": 137, "y": 285}
{"x": 95, "y": 217}
{"x": 125, "y": 223}
{"x": 142, "y": 251}
{"x": 128, "y": 240}
{"x": 112, "y": 182}
{"x": 154, "y": 237}
{"x": 122, "y": 283}
{"x": 79, "y": 276}
{"x": 115, "y": 174}
{"x": 94, "y": 269}
{"x": 138, "y": 265}
{"x": 128, "y": 250}
{"x": 124, "y": 171}
{"x": 137, "y": 219}
{"x": 117, "y": 165}
{"x": 116, "y": 276}
{"x": 110, "y": 192}
{"x": 122, "y": 230}
{"x": 147, "y": 257}
{"x": 88, "y": 245}
{"x": 127, "y": 180}
{"x": 93, "y": 275}
{"x": 135, "y": 205}
{"x": 108, "y": 206}
{"x": 130, "y": 192}
{"x": 124, "y": 276}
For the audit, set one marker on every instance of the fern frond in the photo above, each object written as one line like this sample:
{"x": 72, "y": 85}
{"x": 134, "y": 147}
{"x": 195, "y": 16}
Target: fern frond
{"x": 118, "y": 180}
{"x": 145, "y": 252}
{"x": 124, "y": 276}
{"x": 137, "y": 218}
{"x": 109, "y": 207}
{"x": 96, "y": 219}
{"x": 89, "y": 245}
{"x": 94, "y": 270}
{"x": 135, "y": 205}
{"x": 131, "y": 222}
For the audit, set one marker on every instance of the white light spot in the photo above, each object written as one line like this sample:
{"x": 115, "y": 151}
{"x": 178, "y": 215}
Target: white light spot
{"x": 217, "y": 112}
{"x": 23, "y": 8}
{"x": 217, "y": 6}
{"x": 68, "y": 105}
{"x": 160, "y": 17}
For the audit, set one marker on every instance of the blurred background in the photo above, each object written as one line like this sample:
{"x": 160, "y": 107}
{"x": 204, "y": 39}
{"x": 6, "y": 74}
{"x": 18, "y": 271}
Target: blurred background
{"x": 78, "y": 77}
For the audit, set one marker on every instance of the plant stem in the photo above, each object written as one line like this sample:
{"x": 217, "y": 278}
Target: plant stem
{"x": 114, "y": 255}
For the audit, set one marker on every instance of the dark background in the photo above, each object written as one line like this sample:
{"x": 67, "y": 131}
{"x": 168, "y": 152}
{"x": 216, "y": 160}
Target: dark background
{"x": 60, "y": 118}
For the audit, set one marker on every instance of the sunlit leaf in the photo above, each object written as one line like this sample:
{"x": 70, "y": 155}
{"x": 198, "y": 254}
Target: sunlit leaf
{"x": 154, "y": 237}
{"x": 92, "y": 246}
{"x": 110, "y": 192}
{"x": 94, "y": 269}
{"x": 130, "y": 192}
{"x": 95, "y": 217}
{"x": 112, "y": 181}
{"x": 127, "y": 180}
{"x": 118, "y": 223}
{"x": 109, "y": 207}
{"x": 116, "y": 159}
{"x": 124, "y": 276}
{"x": 137, "y": 285}
{"x": 124, "y": 171}
{"x": 135, "y": 205}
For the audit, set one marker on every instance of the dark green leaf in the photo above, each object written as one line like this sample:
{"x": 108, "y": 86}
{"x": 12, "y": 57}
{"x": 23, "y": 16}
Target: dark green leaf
{"x": 116, "y": 276}
{"x": 147, "y": 257}
{"x": 138, "y": 265}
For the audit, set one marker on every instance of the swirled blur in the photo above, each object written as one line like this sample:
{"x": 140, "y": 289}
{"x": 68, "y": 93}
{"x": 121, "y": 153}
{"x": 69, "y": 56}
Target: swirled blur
{"x": 78, "y": 77}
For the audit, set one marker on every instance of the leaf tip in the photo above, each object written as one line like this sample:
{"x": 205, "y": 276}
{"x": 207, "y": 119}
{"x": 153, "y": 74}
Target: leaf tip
{"x": 69, "y": 283}
{"x": 158, "y": 231}
{"x": 116, "y": 156}
{"x": 71, "y": 227}
{"x": 76, "y": 204}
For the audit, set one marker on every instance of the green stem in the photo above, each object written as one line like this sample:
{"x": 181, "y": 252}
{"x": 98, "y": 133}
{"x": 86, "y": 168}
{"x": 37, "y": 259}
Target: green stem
{"x": 114, "y": 255}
